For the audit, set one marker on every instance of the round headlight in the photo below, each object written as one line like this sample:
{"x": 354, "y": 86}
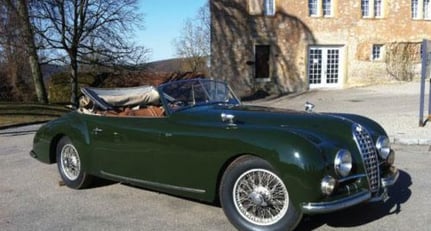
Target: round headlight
{"x": 391, "y": 158}
{"x": 328, "y": 185}
{"x": 343, "y": 162}
{"x": 383, "y": 147}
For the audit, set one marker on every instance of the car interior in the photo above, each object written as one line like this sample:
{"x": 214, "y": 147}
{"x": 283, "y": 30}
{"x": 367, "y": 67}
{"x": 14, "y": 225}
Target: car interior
{"x": 143, "y": 101}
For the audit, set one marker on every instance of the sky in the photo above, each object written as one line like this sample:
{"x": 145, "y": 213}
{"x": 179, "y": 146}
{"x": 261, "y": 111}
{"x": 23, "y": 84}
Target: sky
{"x": 163, "y": 22}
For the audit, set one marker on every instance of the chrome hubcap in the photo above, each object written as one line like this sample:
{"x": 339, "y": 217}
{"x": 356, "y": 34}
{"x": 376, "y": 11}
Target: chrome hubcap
{"x": 260, "y": 197}
{"x": 70, "y": 162}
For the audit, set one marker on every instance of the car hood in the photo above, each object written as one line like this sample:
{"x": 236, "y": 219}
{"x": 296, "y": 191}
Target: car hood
{"x": 336, "y": 126}
{"x": 318, "y": 127}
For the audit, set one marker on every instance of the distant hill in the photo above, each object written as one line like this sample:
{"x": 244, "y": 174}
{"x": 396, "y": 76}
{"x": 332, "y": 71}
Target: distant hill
{"x": 172, "y": 65}
{"x": 161, "y": 70}
{"x": 167, "y": 65}
{"x": 51, "y": 69}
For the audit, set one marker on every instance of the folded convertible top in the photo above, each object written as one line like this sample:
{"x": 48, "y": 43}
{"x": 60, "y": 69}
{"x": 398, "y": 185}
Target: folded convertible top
{"x": 110, "y": 98}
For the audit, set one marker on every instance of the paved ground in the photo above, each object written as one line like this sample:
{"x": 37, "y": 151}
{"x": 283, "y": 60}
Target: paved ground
{"x": 32, "y": 199}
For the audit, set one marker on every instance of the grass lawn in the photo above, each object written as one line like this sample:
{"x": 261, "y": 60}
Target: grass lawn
{"x": 23, "y": 113}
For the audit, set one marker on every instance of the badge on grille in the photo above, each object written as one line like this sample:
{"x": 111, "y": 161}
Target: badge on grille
{"x": 358, "y": 128}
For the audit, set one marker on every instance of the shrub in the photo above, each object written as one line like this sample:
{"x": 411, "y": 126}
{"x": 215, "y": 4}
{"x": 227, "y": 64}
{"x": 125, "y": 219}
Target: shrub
{"x": 400, "y": 60}
{"x": 59, "y": 87}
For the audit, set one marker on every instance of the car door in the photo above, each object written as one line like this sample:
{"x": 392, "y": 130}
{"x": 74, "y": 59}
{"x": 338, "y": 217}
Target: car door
{"x": 194, "y": 151}
{"x": 161, "y": 151}
{"x": 126, "y": 146}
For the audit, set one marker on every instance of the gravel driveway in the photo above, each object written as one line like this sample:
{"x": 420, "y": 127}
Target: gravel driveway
{"x": 31, "y": 198}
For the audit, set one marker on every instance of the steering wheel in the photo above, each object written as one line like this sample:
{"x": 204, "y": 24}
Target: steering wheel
{"x": 177, "y": 104}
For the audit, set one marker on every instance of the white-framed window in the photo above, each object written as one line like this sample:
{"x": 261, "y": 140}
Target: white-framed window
{"x": 313, "y": 8}
{"x": 421, "y": 9}
{"x": 372, "y": 8}
{"x": 262, "y": 7}
{"x": 327, "y": 8}
{"x": 427, "y": 9}
{"x": 415, "y": 9}
{"x": 269, "y": 7}
{"x": 365, "y": 7}
{"x": 377, "y": 52}
{"x": 378, "y": 8}
{"x": 320, "y": 8}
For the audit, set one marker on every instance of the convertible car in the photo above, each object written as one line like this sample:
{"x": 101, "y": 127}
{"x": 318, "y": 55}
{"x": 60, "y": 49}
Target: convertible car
{"x": 194, "y": 138}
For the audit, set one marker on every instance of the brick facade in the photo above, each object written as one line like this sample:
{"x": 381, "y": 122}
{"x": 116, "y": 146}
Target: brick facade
{"x": 295, "y": 41}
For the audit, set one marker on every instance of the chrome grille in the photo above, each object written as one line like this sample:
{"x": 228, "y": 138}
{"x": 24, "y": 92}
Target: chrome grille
{"x": 369, "y": 155}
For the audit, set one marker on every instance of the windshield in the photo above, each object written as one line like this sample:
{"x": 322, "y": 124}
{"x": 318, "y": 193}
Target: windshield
{"x": 187, "y": 93}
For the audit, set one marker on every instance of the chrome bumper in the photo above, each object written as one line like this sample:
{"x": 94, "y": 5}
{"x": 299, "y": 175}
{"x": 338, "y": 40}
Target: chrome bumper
{"x": 326, "y": 207}
{"x": 391, "y": 177}
{"x": 351, "y": 200}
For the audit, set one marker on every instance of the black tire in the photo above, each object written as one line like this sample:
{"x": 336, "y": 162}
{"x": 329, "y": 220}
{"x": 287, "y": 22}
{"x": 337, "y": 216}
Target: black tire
{"x": 277, "y": 210}
{"x": 70, "y": 166}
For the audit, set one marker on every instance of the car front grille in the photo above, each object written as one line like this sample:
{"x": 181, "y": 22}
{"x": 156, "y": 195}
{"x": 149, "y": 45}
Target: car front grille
{"x": 369, "y": 155}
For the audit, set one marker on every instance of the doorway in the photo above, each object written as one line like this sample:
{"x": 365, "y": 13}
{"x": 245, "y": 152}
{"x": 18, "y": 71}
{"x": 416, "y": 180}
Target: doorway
{"x": 262, "y": 55}
{"x": 325, "y": 66}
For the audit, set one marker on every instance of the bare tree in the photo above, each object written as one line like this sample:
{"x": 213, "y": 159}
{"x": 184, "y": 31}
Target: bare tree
{"x": 25, "y": 29}
{"x": 8, "y": 52}
{"x": 87, "y": 31}
{"x": 194, "y": 43}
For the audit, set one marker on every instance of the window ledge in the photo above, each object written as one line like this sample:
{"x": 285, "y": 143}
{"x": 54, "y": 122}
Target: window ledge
{"x": 262, "y": 80}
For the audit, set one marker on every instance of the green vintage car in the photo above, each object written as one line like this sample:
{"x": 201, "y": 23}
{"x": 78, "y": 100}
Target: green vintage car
{"x": 194, "y": 138}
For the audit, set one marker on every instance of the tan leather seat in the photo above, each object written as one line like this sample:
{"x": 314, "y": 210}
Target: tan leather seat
{"x": 149, "y": 111}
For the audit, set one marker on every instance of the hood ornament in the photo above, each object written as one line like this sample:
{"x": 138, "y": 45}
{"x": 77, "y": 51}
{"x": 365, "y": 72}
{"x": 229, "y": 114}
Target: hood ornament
{"x": 309, "y": 107}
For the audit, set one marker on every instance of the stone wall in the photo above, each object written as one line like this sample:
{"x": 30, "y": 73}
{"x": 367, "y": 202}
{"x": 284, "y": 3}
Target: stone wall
{"x": 237, "y": 26}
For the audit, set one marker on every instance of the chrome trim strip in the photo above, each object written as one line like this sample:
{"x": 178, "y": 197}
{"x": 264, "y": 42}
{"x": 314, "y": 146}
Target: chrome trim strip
{"x": 357, "y": 176}
{"x": 330, "y": 206}
{"x": 392, "y": 178}
{"x": 154, "y": 184}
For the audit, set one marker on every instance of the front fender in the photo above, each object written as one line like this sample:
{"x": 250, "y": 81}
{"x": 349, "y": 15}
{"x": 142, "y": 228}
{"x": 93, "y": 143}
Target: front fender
{"x": 46, "y": 138}
{"x": 300, "y": 162}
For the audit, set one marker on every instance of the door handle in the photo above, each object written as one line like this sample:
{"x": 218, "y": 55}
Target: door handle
{"x": 229, "y": 119}
{"x": 97, "y": 131}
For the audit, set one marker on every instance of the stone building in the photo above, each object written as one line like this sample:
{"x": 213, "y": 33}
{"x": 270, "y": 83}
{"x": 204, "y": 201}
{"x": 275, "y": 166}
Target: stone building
{"x": 283, "y": 46}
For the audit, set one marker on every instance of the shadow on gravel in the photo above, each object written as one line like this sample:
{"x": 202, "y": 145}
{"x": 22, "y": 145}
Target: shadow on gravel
{"x": 99, "y": 182}
{"x": 364, "y": 213}
{"x": 17, "y": 133}
{"x": 96, "y": 183}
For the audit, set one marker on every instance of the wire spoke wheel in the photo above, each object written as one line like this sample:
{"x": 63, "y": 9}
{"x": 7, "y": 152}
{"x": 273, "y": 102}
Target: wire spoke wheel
{"x": 70, "y": 165}
{"x": 70, "y": 162}
{"x": 260, "y": 197}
